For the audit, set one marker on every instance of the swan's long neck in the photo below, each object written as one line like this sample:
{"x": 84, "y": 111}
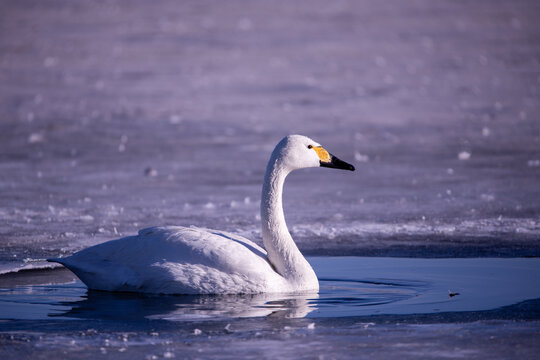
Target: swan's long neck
{"x": 283, "y": 253}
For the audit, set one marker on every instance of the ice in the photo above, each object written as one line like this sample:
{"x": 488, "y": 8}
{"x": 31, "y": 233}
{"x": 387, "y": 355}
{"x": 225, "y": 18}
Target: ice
{"x": 210, "y": 206}
{"x": 150, "y": 172}
{"x": 360, "y": 157}
{"x": 380, "y": 61}
{"x": 36, "y": 138}
{"x": 50, "y": 61}
{"x": 175, "y": 119}
{"x": 487, "y": 197}
{"x": 244, "y": 24}
{"x": 464, "y": 155}
{"x": 30, "y": 264}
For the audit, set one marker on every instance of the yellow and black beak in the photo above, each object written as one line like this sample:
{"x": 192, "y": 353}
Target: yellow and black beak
{"x": 330, "y": 161}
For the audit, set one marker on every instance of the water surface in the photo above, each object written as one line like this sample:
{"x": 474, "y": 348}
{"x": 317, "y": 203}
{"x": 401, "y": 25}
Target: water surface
{"x": 377, "y": 307}
{"x": 350, "y": 287}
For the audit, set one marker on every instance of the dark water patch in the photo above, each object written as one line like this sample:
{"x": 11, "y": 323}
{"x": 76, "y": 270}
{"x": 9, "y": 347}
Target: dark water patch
{"x": 349, "y": 287}
{"x": 427, "y": 246}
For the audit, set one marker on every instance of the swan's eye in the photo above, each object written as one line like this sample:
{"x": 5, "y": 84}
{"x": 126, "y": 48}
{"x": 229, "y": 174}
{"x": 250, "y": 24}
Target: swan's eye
{"x": 310, "y": 147}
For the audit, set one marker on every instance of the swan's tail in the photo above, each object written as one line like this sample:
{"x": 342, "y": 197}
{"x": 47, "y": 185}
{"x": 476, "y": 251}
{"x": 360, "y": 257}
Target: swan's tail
{"x": 99, "y": 275}
{"x": 56, "y": 260}
{"x": 71, "y": 267}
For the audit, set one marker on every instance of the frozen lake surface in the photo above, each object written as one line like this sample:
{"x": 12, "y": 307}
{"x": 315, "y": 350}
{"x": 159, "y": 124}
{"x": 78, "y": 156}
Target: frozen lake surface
{"x": 117, "y": 118}
{"x": 360, "y": 298}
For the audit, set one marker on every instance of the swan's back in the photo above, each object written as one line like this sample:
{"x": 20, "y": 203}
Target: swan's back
{"x": 177, "y": 260}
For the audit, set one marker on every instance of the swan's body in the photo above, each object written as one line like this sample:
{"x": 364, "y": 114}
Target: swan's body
{"x": 177, "y": 260}
{"x": 180, "y": 260}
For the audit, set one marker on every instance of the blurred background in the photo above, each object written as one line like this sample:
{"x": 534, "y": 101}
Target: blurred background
{"x": 118, "y": 115}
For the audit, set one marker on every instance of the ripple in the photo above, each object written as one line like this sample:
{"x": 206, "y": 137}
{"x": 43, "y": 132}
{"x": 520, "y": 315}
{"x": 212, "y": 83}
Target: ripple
{"x": 351, "y": 286}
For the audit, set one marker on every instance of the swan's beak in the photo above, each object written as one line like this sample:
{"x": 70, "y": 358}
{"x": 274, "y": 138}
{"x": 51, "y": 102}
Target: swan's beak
{"x": 330, "y": 161}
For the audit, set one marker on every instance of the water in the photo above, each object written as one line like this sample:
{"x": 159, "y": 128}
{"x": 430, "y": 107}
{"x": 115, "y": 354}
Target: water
{"x": 350, "y": 287}
{"x": 359, "y": 296}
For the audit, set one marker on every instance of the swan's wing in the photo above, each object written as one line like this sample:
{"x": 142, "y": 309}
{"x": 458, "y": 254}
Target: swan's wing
{"x": 175, "y": 260}
{"x": 239, "y": 239}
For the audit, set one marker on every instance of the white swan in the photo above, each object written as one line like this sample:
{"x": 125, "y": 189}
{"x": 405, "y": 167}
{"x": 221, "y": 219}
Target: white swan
{"x": 181, "y": 260}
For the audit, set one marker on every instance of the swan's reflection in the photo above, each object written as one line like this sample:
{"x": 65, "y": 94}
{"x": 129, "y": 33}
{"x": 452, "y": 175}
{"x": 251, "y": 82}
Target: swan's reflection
{"x": 131, "y": 306}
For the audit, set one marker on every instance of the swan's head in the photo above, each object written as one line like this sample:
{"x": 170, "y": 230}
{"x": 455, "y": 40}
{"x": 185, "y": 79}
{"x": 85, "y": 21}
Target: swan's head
{"x": 297, "y": 152}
